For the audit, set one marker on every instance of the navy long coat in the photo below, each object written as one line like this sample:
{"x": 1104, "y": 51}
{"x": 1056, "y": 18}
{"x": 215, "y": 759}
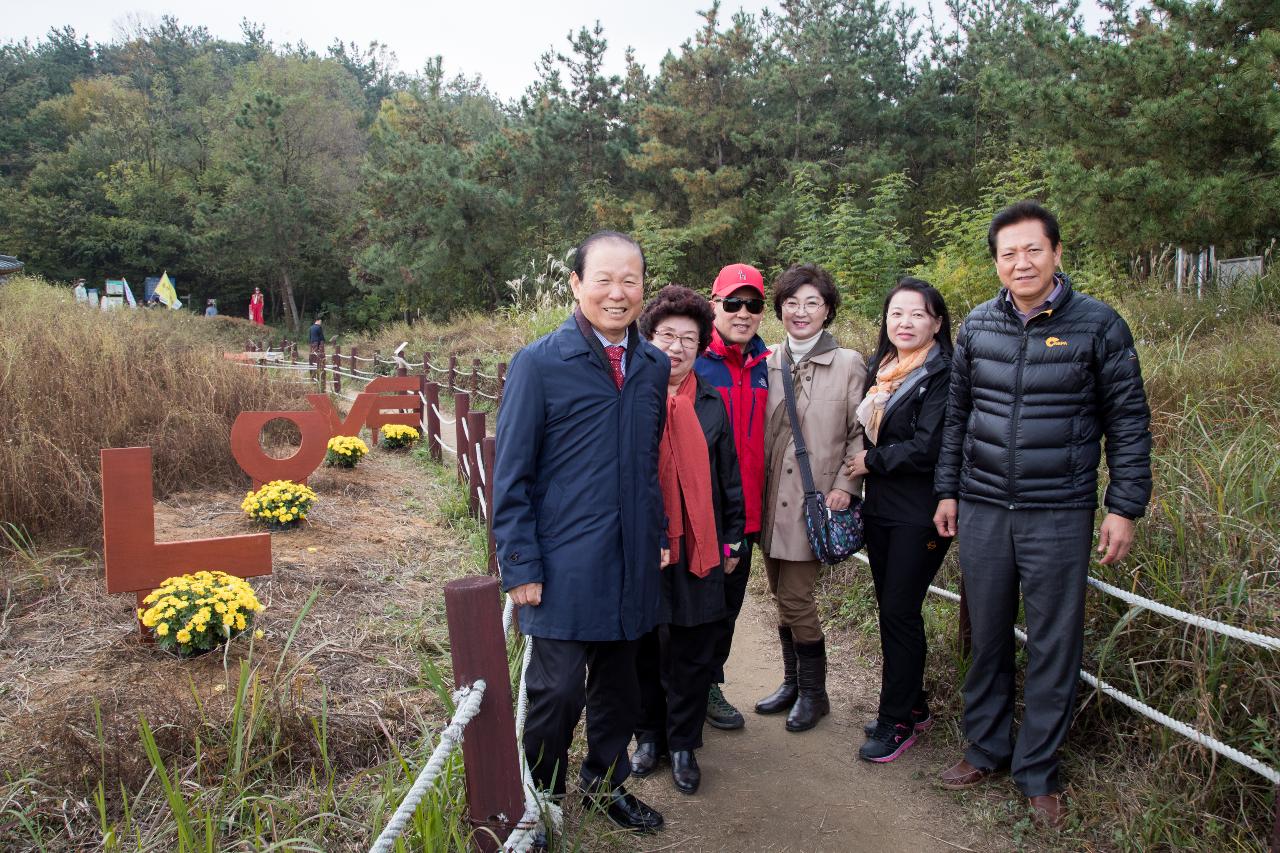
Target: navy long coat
{"x": 577, "y": 506}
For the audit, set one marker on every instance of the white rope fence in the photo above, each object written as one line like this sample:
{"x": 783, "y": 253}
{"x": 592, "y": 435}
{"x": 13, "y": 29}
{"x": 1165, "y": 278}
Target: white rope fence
{"x": 535, "y": 807}
{"x": 1203, "y": 622}
{"x": 467, "y": 700}
{"x": 1189, "y": 732}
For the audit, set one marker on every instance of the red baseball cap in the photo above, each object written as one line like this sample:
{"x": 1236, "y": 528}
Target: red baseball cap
{"x": 737, "y": 276}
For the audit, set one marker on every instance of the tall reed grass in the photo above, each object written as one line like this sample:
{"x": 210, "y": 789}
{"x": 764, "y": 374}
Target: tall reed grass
{"x": 74, "y": 381}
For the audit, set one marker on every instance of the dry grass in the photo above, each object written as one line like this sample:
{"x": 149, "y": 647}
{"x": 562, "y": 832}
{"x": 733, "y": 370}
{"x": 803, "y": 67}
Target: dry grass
{"x": 73, "y": 381}
{"x": 333, "y": 695}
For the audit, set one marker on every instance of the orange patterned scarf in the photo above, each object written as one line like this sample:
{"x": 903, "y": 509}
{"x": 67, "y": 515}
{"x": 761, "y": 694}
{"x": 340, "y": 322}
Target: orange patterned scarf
{"x": 889, "y": 377}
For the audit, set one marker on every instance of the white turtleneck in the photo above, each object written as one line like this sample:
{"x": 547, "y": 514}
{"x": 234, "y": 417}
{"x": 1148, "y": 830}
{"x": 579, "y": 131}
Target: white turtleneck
{"x": 800, "y": 349}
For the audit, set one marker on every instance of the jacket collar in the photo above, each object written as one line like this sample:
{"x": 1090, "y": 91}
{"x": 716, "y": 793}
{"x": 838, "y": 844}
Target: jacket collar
{"x": 936, "y": 361}
{"x": 824, "y": 351}
{"x": 756, "y": 350}
{"x": 572, "y": 342}
{"x": 1064, "y": 296}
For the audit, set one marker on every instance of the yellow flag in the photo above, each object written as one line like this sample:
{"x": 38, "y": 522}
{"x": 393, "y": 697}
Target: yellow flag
{"x": 165, "y": 291}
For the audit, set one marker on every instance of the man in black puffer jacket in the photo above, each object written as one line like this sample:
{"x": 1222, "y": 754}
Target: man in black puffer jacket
{"x": 1040, "y": 375}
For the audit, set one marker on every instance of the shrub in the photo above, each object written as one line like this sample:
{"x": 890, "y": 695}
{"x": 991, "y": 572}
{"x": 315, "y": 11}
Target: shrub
{"x": 74, "y": 380}
{"x": 395, "y": 436}
{"x": 345, "y": 451}
{"x": 194, "y": 613}
{"x": 280, "y": 503}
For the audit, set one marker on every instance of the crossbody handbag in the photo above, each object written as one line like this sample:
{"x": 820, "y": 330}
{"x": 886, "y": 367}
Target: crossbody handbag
{"x": 834, "y": 535}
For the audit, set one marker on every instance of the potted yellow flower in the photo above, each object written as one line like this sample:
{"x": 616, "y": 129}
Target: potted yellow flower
{"x": 280, "y": 504}
{"x": 191, "y": 614}
{"x": 396, "y": 436}
{"x": 345, "y": 451}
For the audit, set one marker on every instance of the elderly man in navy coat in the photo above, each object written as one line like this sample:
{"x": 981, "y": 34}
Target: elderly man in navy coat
{"x": 579, "y": 525}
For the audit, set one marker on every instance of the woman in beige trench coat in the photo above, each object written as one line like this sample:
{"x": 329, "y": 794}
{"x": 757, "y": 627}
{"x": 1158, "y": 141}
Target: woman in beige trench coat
{"x": 829, "y": 383}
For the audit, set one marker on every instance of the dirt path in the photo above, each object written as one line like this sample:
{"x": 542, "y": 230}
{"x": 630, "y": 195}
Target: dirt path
{"x": 766, "y": 789}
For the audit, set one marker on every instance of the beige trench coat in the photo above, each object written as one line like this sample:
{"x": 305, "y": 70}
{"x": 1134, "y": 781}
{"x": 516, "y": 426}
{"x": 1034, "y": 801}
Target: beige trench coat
{"x": 829, "y": 385}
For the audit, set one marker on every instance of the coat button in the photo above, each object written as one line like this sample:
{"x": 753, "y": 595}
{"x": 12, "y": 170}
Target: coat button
{"x": 788, "y": 470}
{"x": 784, "y": 503}
{"x": 514, "y": 556}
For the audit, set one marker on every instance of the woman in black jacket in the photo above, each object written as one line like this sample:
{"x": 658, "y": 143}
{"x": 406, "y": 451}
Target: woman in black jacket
{"x": 702, "y": 498}
{"x": 903, "y": 414}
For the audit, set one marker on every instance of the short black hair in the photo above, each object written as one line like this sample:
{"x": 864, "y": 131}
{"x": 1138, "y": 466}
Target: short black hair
{"x": 934, "y": 304}
{"x": 1021, "y": 212}
{"x": 796, "y": 277}
{"x": 676, "y": 300}
{"x": 580, "y": 253}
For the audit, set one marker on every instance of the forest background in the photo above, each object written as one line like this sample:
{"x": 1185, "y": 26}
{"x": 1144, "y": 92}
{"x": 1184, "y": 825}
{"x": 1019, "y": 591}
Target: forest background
{"x": 857, "y": 134}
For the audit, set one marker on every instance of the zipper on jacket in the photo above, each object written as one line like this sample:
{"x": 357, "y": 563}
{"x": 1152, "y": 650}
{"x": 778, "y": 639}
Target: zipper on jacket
{"x": 1013, "y": 419}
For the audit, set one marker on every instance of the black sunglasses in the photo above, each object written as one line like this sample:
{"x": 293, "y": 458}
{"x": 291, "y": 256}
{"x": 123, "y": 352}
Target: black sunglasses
{"x": 734, "y": 304}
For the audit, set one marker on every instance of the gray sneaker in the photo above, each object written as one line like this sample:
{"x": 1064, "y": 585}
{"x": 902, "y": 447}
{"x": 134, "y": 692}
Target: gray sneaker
{"x": 720, "y": 713}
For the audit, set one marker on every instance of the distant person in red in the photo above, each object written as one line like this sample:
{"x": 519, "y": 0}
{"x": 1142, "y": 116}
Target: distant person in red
{"x": 255, "y": 306}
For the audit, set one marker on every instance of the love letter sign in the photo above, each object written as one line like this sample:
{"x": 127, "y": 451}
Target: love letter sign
{"x": 385, "y": 400}
{"x": 135, "y": 562}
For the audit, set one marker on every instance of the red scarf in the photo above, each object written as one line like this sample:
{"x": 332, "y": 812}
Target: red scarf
{"x": 684, "y": 471}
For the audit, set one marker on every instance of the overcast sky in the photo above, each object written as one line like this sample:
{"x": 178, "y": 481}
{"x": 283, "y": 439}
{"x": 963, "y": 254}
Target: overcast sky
{"x": 500, "y": 40}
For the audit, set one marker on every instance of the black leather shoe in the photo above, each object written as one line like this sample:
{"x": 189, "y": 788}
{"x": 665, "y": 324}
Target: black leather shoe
{"x": 685, "y": 772}
{"x": 645, "y": 759}
{"x": 625, "y": 810}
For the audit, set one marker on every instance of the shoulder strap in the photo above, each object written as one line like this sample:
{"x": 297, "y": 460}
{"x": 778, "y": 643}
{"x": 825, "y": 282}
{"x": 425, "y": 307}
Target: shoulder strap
{"x": 802, "y": 452}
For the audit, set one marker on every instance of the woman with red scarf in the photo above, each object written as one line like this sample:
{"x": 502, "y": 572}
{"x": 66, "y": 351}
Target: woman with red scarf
{"x": 255, "y": 306}
{"x": 702, "y": 499}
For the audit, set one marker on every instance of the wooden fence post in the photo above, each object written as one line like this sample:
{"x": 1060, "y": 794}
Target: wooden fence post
{"x": 352, "y": 360}
{"x": 475, "y": 430}
{"x": 964, "y": 634}
{"x": 502, "y": 383}
{"x": 337, "y": 367}
{"x": 461, "y": 408}
{"x": 431, "y": 410}
{"x": 452, "y": 386}
{"x": 426, "y": 364}
{"x": 488, "y": 450}
{"x": 489, "y": 753}
{"x": 475, "y": 376}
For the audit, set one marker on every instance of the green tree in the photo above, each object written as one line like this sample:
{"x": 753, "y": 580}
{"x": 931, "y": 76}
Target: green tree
{"x": 284, "y": 180}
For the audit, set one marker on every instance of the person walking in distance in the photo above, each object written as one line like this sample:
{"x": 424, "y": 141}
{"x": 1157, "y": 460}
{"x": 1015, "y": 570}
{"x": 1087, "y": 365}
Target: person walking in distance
{"x": 734, "y": 364}
{"x": 1041, "y": 373}
{"x": 256, "y": 303}
{"x": 579, "y": 526}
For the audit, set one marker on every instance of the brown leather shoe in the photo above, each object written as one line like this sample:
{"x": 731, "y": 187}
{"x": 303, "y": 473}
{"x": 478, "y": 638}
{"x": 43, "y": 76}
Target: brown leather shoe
{"x": 962, "y": 774}
{"x": 1048, "y": 810}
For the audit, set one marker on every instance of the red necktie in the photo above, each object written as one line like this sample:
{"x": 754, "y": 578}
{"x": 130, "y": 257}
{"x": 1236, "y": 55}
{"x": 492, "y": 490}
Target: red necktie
{"x": 615, "y": 361}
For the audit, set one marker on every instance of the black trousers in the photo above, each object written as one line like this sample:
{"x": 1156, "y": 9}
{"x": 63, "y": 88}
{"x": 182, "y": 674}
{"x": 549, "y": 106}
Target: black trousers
{"x": 904, "y": 560}
{"x": 735, "y": 592}
{"x": 675, "y": 666}
{"x": 565, "y": 676}
{"x": 1045, "y": 553}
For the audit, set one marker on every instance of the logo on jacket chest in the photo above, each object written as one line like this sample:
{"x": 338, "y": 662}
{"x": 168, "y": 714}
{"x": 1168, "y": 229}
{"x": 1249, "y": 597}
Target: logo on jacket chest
{"x": 1055, "y": 341}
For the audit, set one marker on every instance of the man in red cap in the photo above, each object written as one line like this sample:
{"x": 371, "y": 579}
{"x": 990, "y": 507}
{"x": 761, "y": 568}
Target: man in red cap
{"x": 734, "y": 363}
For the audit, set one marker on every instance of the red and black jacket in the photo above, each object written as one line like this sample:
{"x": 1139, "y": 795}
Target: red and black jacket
{"x": 743, "y": 383}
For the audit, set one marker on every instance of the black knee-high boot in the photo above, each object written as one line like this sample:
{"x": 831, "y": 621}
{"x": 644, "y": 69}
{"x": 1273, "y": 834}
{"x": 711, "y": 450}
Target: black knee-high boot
{"x": 781, "y": 700}
{"x": 812, "y": 703}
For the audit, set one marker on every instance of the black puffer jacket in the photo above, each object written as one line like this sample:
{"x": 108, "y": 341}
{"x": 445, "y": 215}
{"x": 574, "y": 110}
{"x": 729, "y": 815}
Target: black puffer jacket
{"x": 1029, "y": 406}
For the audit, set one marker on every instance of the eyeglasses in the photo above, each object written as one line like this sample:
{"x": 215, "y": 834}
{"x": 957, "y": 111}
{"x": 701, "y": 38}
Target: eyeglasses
{"x": 734, "y": 304}
{"x": 810, "y": 306}
{"x": 666, "y": 337}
